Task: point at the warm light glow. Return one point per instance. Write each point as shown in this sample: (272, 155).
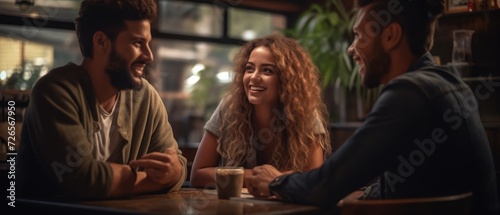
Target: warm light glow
(197, 68)
(192, 80)
(224, 77)
(39, 61)
(3, 75)
(248, 35)
(27, 75)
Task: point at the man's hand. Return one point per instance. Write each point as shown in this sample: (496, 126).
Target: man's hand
(162, 168)
(258, 182)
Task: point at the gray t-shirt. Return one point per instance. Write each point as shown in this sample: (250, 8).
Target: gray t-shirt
(214, 124)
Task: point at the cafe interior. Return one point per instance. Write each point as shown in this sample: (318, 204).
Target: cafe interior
(193, 44)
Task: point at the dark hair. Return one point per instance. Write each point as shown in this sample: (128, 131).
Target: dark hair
(109, 16)
(417, 19)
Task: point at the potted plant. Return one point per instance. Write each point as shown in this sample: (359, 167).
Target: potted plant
(326, 32)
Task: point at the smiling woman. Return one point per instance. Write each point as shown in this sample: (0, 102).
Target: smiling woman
(272, 113)
(260, 80)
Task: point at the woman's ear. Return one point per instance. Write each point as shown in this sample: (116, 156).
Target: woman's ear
(392, 36)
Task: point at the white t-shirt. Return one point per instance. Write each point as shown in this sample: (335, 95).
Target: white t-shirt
(106, 136)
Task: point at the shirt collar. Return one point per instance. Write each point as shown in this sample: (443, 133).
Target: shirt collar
(424, 61)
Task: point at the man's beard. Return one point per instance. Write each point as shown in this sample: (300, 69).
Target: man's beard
(377, 67)
(120, 76)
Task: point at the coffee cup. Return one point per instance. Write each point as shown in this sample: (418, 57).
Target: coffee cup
(229, 181)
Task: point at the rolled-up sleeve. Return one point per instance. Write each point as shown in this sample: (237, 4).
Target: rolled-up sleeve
(163, 137)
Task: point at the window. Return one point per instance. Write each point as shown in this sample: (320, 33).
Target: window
(59, 10)
(250, 24)
(191, 78)
(190, 18)
(193, 43)
(28, 54)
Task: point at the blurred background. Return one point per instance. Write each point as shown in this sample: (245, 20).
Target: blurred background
(194, 42)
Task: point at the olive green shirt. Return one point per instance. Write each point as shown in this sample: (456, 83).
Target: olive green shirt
(55, 155)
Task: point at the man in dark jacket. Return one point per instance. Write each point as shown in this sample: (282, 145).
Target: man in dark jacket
(424, 136)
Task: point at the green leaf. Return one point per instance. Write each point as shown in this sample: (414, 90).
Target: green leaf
(339, 5)
(347, 61)
(315, 23)
(333, 18)
(302, 22)
(316, 8)
(326, 32)
(343, 74)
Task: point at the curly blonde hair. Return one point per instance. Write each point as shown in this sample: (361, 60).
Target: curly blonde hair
(294, 130)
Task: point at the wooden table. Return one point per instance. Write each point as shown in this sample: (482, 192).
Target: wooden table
(184, 201)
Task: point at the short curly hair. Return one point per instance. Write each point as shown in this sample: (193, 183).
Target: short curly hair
(417, 18)
(109, 16)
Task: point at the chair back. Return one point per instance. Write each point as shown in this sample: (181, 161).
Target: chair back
(456, 204)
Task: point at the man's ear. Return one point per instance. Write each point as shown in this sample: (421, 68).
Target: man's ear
(392, 36)
(101, 42)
